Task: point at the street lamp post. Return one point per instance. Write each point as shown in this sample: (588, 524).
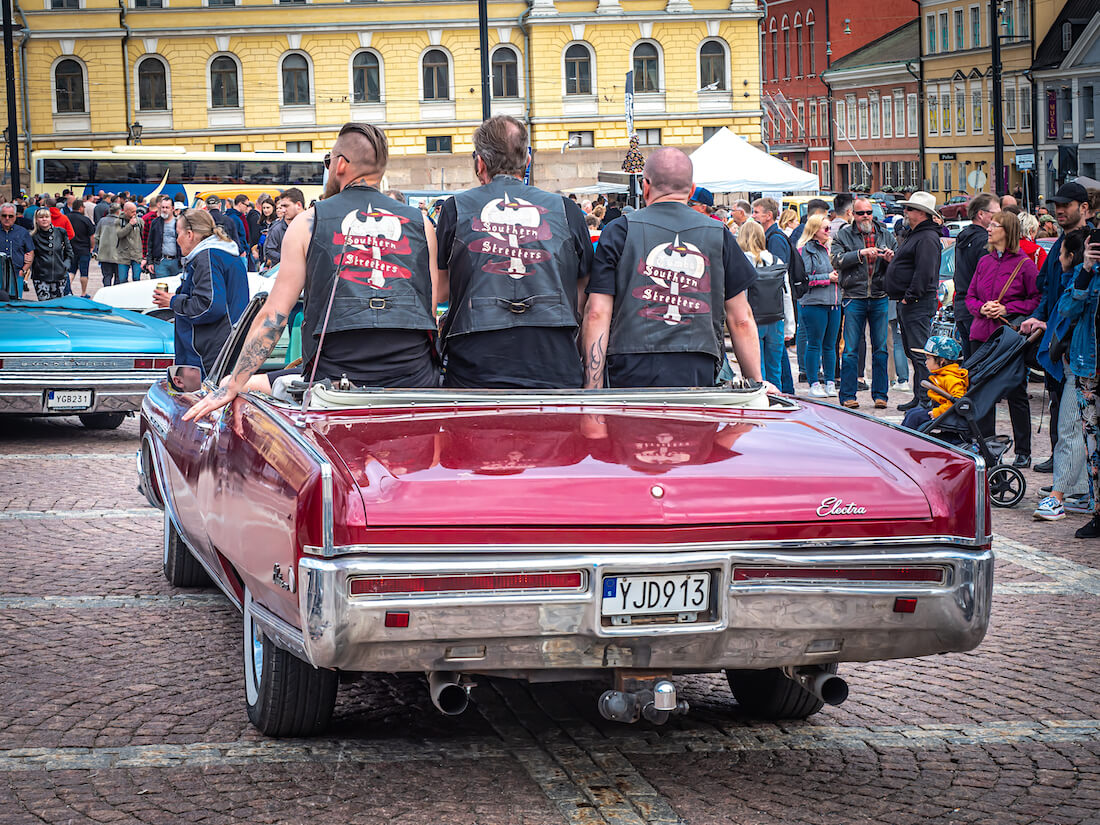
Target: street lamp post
(998, 114)
(12, 131)
(483, 33)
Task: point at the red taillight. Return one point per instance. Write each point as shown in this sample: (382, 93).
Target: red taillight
(163, 363)
(143, 363)
(384, 585)
(1, 363)
(933, 575)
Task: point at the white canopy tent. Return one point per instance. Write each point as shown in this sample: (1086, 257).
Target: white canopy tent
(729, 163)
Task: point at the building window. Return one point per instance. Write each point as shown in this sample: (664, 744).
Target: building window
(813, 118)
(221, 2)
(934, 177)
(912, 114)
(826, 176)
(68, 80)
(295, 72)
(800, 119)
(304, 146)
(648, 137)
(59, 5)
(887, 172)
(875, 115)
(841, 119)
(152, 84)
(1008, 17)
(945, 112)
(887, 117)
(148, 4)
(578, 70)
(944, 47)
(810, 44)
(224, 88)
(437, 144)
(930, 27)
(709, 132)
(815, 169)
(976, 111)
(505, 73)
(584, 140)
(975, 27)
(1025, 19)
(366, 78)
(786, 49)
(933, 115)
(798, 43)
(437, 72)
(899, 113)
(647, 75)
(851, 129)
(1010, 109)
(960, 111)
(712, 66)
(1025, 106)
(775, 51)
(226, 147)
(863, 118)
(960, 33)
(948, 177)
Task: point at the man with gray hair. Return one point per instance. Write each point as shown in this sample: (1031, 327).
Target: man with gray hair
(664, 279)
(15, 241)
(517, 260)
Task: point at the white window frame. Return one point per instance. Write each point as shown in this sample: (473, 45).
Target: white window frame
(826, 175)
(699, 63)
(874, 114)
(851, 128)
(660, 65)
(381, 78)
(812, 118)
(864, 118)
(1023, 96)
(520, 79)
(887, 117)
(800, 120)
(841, 119)
(167, 84)
(899, 113)
(930, 34)
(975, 43)
(912, 114)
(312, 78)
(53, 85)
(591, 67)
(450, 77)
(240, 83)
(959, 94)
(933, 109)
(977, 124)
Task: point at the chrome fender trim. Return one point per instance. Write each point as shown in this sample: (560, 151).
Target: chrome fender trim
(279, 631)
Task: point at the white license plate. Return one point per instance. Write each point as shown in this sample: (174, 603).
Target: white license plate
(68, 399)
(653, 595)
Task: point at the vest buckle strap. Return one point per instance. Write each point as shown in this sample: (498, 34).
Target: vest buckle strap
(377, 303)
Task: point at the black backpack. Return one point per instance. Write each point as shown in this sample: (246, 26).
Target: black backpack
(766, 293)
(800, 284)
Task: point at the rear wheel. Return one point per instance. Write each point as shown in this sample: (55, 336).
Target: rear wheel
(102, 421)
(769, 694)
(285, 695)
(181, 568)
(1007, 486)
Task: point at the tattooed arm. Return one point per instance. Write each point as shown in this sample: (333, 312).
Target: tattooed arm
(269, 323)
(594, 334)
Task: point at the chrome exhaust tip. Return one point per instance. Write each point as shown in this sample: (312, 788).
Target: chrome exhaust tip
(448, 695)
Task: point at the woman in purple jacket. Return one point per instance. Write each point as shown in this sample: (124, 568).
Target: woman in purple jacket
(1003, 291)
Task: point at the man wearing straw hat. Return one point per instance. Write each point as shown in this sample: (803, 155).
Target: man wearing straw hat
(911, 280)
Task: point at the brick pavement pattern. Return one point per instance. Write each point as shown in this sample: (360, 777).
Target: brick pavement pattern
(123, 700)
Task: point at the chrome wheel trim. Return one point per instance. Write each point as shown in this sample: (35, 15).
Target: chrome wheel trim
(253, 653)
(167, 533)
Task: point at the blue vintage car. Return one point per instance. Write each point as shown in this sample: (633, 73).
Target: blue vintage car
(72, 356)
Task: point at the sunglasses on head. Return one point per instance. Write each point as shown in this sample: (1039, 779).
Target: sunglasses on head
(861, 212)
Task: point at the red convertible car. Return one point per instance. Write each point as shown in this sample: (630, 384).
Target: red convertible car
(561, 535)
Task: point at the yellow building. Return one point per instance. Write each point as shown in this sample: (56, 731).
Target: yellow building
(958, 93)
(286, 74)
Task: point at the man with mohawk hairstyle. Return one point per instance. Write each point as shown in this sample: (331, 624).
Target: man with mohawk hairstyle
(663, 280)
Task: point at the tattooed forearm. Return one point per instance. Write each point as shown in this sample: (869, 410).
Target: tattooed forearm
(594, 364)
(259, 346)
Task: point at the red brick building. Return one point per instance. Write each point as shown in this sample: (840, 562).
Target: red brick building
(800, 40)
(875, 93)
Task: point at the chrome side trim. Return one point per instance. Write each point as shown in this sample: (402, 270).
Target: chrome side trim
(284, 634)
(322, 461)
(802, 545)
(980, 497)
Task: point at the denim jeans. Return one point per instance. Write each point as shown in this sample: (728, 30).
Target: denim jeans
(787, 384)
(800, 346)
(822, 325)
(772, 349)
(166, 268)
(915, 319)
(859, 313)
(110, 272)
(128, 271)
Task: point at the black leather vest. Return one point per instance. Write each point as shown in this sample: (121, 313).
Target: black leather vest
(378, 247)
(514, 245)
(670, 283)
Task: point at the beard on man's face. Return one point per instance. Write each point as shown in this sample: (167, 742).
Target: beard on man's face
(865, 226)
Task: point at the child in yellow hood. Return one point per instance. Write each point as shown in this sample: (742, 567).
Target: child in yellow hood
(941, 356)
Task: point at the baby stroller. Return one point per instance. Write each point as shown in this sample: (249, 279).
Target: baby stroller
(994, 369)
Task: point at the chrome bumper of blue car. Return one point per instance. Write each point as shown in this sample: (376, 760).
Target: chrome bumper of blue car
(28, 394)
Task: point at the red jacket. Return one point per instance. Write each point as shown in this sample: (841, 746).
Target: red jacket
(57, 219)
(1033, 251)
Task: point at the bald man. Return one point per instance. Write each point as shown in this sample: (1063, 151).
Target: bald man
(374, 260)
(663, 280)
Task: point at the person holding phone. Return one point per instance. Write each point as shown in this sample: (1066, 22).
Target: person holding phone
(861, 252)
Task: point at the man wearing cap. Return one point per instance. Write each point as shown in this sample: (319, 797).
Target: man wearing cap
(702, 201)
(1071, 210)
(941, 354)
(663, 282)
(912, 278)
(230, 226)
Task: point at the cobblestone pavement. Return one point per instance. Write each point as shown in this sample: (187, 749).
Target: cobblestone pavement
(123, 700)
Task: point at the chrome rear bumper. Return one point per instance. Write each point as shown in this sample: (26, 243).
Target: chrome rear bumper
(754, 624)
(25, 394)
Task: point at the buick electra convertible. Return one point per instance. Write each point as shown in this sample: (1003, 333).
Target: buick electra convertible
(627, 536)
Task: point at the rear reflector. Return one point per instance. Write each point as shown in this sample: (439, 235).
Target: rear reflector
(162, 363)
(143, 363)
(905, 605)
(460, 583)
(931, 575)
(397, 618)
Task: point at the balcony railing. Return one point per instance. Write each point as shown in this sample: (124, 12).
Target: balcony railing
(1090, 127)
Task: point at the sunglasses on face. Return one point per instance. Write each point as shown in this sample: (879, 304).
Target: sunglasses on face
(868, 212)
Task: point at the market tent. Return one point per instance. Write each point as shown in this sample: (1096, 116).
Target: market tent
(729, 163)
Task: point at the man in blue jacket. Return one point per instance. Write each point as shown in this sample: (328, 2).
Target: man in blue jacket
(212, 295)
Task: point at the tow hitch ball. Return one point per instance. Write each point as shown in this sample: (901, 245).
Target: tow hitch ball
(653, 699)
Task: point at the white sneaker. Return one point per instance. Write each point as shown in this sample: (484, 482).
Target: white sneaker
(830, 389)
(818, 391)
(902, 386)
